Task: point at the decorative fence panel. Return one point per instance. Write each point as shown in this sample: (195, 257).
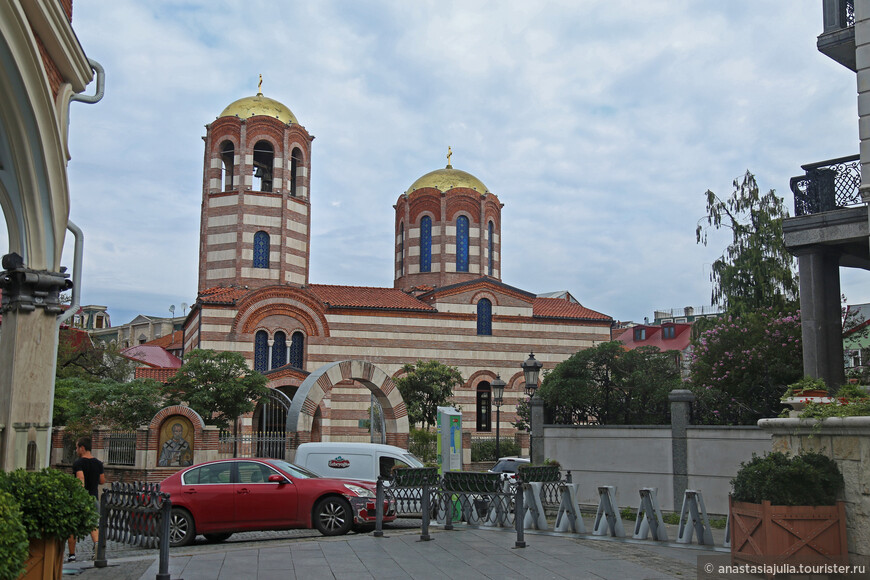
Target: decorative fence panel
(121, 448)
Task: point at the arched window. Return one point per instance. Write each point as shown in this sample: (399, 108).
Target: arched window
(261, 351)
(297, 350)
(295, 162)
(264, 161)
(279, 350)
(462, 244)
(484, 408)
(426, 244)
(402, 249)
(261, 250)
(484, 317)
(491, 232)
(228, 161)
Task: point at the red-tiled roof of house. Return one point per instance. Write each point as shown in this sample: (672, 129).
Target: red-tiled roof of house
(653, 336)
(562, 308)
(222, 295)
(153, 356)
(162, 375)
(171, 341)
(366, 297)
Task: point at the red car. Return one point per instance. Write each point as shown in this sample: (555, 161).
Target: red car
(220, 497)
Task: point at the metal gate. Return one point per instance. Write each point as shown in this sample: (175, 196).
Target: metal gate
(269, 424)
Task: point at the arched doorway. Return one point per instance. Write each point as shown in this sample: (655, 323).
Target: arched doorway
(301, 422)
(269, 425)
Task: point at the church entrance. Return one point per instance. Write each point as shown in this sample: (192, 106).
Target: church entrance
(269, 425)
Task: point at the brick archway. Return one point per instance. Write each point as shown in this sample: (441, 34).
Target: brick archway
(301, 416)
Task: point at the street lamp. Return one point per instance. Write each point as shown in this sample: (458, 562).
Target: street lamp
(497, 399)
(531, 369)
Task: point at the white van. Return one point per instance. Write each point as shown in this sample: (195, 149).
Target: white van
(365, 461)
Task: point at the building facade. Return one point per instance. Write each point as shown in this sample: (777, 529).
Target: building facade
(447, 301)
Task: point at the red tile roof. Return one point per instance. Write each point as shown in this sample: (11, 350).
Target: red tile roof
(562, 308)
(222, 295)
(170, 341)
(365, 297)
(162, 375)
(681, 340)
(153, 356)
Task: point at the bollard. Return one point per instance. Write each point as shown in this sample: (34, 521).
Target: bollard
(379, 508)
(424, 506)
(448, 507)
(165, 515)
(100, 557)
(519, 512)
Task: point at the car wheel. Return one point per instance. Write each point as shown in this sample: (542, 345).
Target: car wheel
(332, 516)
(216, 538)
(181, 528)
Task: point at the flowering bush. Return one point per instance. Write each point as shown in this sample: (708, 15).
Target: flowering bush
(740, 367)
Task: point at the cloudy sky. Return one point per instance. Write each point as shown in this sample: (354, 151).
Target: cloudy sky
(599, 124)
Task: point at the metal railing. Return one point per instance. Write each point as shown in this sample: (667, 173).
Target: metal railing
(137, 514)
(827, 185)
(272, 444)
(121, 448)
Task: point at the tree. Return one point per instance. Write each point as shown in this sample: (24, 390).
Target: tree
(609, 385)
(81, 404)
(756, 270)
(79, 356)
(425, 386)
(741, 367)
(217, 385)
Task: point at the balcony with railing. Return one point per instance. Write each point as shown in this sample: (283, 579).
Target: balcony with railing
(837, 41)
(827, 185)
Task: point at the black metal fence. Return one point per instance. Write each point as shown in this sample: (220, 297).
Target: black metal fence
(137, 514)
(827, 185)
(270, 444)
(121, 448)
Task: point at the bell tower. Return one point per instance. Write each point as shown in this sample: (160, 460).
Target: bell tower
(256, 218)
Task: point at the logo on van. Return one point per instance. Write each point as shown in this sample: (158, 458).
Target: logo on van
(339, 462)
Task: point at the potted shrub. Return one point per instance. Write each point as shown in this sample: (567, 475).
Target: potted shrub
(54, 506)
(807, 387)
(13, 539)
(786, 507)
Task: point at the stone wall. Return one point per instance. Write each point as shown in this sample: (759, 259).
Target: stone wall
(847, 441)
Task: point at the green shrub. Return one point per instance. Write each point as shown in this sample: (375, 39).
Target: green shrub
(807, 479)
(52, 503)
(13, 539)
(423, 444)
(484, 449)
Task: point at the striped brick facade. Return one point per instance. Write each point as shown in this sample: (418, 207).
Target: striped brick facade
(425, 315)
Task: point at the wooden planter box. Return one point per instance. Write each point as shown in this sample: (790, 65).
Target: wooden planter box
(46, 560)
(766, 533)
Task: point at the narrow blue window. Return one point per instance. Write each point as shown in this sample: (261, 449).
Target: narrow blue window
(261, 250)
(261, 351)
(402, 249)
(484, 317)
(462, 244)
(297, 350)
(491, 248)
(279, 350)
(426, 244)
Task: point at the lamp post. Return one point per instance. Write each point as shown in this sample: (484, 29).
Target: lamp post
(531, 368)
(497, 399)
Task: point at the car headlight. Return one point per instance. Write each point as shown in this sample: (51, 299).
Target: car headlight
(359, 491)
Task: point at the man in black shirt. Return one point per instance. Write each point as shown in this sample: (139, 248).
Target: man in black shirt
(89, 470)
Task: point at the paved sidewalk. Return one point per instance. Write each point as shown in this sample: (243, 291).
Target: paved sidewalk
(461, 553)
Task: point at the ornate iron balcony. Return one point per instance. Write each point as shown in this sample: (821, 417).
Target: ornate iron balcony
(837, 40)
(827, 185)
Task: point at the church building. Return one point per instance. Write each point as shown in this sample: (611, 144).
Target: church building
(447, 301)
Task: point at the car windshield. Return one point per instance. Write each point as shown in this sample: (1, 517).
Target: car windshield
(505, 467)
(412, 460)
(293, 469)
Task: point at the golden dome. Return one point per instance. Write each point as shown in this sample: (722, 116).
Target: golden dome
(446, 179)
(259, 105)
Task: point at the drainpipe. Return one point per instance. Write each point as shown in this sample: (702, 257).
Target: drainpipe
(101, 85)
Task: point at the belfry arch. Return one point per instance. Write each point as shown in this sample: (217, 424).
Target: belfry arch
(300, 420)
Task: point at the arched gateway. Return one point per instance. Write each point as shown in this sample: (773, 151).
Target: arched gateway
(300, 419)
